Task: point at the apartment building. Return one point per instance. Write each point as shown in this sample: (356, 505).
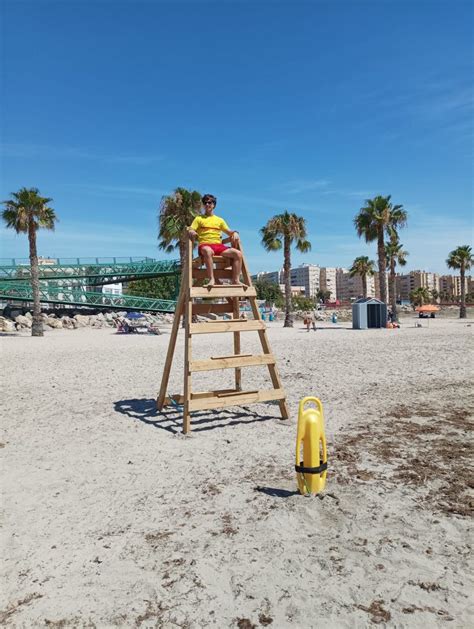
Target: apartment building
(350, 288)
(328, 281)
(450, 285)
(307, 275)
(274, 277)
(405, 283)
(295, 291)
(112, 289)
(339, 285)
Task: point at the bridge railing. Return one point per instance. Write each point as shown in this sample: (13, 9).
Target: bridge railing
(76, 261)
(75, 296)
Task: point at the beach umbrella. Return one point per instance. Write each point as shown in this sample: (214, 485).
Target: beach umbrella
(134, 315)
(428, 308)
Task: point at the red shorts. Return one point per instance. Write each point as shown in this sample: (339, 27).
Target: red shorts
(217, 248)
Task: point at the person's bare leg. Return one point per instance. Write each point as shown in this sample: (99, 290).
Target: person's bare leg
(236, 256)
(206, 253)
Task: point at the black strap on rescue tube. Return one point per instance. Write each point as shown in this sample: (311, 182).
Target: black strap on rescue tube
(311, 470)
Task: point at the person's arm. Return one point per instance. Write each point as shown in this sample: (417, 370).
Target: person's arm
(234, 235)
(192, 230)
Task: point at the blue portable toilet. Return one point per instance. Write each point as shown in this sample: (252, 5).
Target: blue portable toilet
(369, 312)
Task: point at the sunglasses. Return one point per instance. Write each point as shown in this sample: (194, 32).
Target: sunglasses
(209, 203)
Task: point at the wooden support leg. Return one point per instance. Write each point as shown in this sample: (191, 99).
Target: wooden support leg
(238, 371)
(266, 347)
(188, 316)
(169, 355)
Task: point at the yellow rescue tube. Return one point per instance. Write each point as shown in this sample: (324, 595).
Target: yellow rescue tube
(311, 468)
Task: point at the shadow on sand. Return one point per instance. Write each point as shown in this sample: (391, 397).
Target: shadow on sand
(170, 419)
(277, 493)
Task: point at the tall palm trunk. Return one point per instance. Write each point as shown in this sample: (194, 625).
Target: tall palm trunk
(37, 326)
(382, 265)
(392, 290)
(462, 309)
(364, 284)
(286, 268)
(183, 247)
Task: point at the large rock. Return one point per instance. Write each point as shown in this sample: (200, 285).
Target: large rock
(6, 325)
(54, 322)
(23, 321)
(81, 321)
(68, 323)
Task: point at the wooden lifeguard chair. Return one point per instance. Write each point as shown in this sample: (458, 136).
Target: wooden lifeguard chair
(193, 276)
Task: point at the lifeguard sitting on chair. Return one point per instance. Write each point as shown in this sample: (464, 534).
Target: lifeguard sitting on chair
(207, 229)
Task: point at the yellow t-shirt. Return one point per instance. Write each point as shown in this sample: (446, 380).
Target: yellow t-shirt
(209, 229)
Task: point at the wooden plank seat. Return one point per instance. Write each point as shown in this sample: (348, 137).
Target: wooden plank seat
(230, 362)
(223, 290)
(224, 325)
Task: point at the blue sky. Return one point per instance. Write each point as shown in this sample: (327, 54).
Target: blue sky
(306, 106)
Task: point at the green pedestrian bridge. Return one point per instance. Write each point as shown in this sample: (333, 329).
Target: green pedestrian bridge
(79, 281)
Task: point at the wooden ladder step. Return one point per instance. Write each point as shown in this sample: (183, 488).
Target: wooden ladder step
(229, 362)
(222, 290)
(223, 325)
(234, 398)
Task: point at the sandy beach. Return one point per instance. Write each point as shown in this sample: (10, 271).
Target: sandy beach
(113, 518)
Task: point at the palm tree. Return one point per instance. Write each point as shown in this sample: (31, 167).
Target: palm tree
(420, 296)
(462, 259)
(444, 296)
(435, 294)
(283, 230)
(395, 255)
(364, 267)
(176, 214)
(323, 295)
(376, 218)
(26, 212)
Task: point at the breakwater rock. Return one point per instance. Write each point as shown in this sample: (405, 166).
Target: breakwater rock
(53, 321)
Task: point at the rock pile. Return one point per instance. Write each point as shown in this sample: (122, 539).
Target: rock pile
(100, 320)
(343, 314)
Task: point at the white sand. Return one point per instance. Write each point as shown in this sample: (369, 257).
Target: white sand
(114, 519)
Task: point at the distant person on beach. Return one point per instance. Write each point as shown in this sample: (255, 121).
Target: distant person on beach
(310, 322)
(207, 229)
